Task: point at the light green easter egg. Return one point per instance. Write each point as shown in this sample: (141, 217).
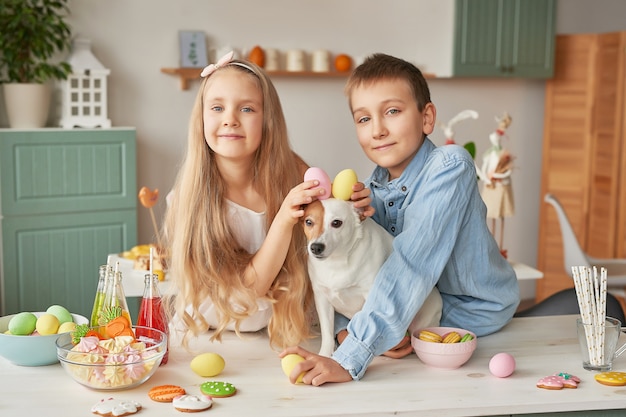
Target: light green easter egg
(22, 324)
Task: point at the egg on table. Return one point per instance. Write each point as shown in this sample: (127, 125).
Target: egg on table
(342, 186)
(502, 365)
(319, 174)
(208, 364)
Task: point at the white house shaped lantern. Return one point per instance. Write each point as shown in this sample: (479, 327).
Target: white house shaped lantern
(85, 90)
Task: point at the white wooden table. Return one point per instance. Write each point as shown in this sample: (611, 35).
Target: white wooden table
(133, 279)
(525, 272)
(541, 346)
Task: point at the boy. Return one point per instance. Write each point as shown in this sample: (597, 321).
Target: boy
(428, 198)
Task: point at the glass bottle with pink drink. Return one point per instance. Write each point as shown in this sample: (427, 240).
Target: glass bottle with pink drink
(151, 311)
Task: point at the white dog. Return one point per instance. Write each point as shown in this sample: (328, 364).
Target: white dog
(345, 253)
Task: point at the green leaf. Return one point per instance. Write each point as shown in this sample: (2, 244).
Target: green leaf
(34, 35)
(471, 148)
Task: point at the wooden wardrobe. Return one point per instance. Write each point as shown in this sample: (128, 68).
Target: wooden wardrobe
(584, 153)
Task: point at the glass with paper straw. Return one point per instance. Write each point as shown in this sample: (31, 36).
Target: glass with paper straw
(598, 334)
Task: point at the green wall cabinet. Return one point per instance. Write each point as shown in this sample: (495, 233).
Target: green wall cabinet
(504, 38)
(68, 198)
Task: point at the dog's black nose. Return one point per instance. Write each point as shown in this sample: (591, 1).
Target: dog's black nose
(317, 248)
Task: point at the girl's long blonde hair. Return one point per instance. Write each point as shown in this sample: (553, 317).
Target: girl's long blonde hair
(204, 259)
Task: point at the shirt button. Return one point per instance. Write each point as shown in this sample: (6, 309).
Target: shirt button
(404, 188)
(393, 229)
(390, 204)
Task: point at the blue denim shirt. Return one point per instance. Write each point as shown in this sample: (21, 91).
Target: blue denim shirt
(438, 218)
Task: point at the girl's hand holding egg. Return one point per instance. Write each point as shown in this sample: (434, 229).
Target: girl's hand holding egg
(319, 174)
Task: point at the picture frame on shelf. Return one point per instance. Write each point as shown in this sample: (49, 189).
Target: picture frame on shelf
(193, 51)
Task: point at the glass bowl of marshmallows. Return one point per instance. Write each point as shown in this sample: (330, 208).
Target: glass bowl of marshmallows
(116, 363)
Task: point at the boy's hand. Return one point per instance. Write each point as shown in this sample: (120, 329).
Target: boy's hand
(361, 199)
(401, 350)
(318, 369)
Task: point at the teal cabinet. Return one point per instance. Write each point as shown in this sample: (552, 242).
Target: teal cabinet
(67, 199)
(504, 38)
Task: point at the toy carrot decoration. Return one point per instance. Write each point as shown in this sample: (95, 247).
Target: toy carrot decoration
(115, 323)
(83, 330)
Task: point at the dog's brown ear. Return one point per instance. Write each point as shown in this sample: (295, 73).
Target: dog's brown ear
(361, 214)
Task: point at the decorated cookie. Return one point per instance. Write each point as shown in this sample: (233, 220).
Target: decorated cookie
(218, 389)
(614, 379)
(558, 381)
(192, 403)
(116, 408)
(165, 393)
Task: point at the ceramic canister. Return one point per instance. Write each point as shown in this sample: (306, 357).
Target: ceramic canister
(295, 60)
(272, 59)
(320, 60)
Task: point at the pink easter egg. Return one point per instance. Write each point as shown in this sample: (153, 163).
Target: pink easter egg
(319, 174)
(502, 365)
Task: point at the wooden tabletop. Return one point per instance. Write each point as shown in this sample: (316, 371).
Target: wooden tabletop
(541, 346)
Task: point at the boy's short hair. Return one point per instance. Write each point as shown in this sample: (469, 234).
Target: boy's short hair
(381, 66)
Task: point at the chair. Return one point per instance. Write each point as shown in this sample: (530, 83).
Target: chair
(574, 255)
(566, 302)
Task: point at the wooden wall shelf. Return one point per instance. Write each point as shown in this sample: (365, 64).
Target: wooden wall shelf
(190, 74)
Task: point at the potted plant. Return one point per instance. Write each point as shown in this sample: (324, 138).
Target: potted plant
(34, 32)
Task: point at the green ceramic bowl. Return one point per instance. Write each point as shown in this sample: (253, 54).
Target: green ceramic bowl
(30, 350)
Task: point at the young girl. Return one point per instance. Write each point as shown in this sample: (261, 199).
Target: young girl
(236, 260)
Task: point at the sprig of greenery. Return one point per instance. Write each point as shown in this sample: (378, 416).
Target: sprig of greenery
(109, 313)
(80, 331)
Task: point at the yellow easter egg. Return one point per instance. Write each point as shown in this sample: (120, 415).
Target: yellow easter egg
(68, 326)
(289, 362)
(47, 324)
(342, 186)
(208, 364)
